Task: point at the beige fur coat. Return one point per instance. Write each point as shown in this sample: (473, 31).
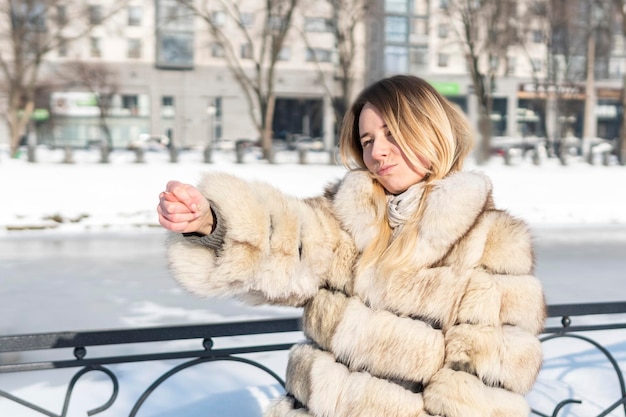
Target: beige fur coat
(453, 336)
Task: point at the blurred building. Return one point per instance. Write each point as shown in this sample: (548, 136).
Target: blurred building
(169, 77)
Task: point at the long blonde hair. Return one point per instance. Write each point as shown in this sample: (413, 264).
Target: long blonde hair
(423, 124)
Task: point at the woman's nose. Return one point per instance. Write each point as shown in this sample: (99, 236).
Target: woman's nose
(380, 148)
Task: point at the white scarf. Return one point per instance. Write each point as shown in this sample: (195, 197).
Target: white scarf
(400, 207)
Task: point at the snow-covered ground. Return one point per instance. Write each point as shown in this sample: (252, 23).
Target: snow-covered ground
(89, 197)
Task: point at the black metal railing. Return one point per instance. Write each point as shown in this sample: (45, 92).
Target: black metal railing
(568, 329)
(80, 350)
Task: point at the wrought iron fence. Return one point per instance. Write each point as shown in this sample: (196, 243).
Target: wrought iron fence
(76, 351)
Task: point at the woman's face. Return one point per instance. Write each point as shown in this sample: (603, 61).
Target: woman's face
(382, 155)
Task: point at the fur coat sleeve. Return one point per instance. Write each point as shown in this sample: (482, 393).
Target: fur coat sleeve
(273, 248)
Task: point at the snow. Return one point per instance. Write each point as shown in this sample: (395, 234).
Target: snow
(88, 197)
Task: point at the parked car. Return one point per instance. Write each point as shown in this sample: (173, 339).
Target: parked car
(149, 142)
(309, 143)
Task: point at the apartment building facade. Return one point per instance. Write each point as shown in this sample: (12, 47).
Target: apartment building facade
(533, 94)
(169, 76)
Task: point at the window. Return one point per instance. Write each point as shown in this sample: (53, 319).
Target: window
(246, 51)
(275, 22)
(246, 19)
(95, 15)
(217, 102)
(442, 30)
(172, 15)
(419, 56)
(396, 59)
(134, 15)
(396, 6)
(537, 36)
(134, 48)
(175, 35)
(396, 29)
(167, 106)
(175, 50)
(442, 60)
(217, 50)
(319, 55)
(95, 47)
(167, 101)
(130, 102)
(537, 64)
(28, 16)
(317, 24)
(510, 65)
(284, 54)
(218, 18)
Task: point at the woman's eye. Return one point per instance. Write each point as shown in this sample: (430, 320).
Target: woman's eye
(366, 142)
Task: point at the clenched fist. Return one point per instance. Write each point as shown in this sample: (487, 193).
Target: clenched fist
(182, 208)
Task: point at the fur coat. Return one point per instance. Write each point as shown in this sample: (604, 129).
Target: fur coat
(455, 335)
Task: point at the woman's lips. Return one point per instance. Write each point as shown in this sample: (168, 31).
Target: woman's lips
(384, 170)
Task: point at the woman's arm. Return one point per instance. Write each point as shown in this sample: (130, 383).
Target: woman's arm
(261, 245)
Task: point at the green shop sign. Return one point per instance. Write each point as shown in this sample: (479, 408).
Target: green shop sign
(446, 88)
(37, 115)
(40, 115)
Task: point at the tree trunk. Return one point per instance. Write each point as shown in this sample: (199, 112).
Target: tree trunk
(17, 126)
(621, 142)
(266, 140)
(484, 126)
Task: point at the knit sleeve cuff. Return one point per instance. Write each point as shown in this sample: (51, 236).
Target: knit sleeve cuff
(215, 240)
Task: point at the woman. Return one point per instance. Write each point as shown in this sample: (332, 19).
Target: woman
(418, 294)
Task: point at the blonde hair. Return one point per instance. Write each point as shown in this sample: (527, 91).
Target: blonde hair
(423, 124)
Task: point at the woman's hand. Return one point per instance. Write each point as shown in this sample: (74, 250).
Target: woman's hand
(182, 208)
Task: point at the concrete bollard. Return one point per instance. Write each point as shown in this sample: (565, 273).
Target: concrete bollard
(173, 154)
(239, 151)
(105, 152)
(139, 155)
(302, 153)
(68, 155)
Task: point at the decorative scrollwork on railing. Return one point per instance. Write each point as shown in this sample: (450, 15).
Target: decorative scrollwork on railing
(68, 394)
(195, 362)
(81, 341)
(564, 333)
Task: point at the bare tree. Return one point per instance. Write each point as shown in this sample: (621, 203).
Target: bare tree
(345, 18)
(485, 29)
(265, 43)
(29, 31)
(559, 87)
(578, 44)
(620, 9)
(100, 79)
